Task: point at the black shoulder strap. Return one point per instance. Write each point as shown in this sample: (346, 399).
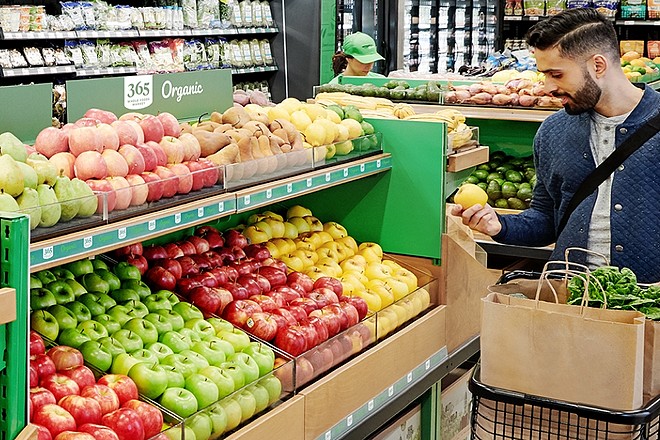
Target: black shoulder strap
(605, 169)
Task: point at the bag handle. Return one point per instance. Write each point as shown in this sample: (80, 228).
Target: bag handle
(585, 275)
(586, 251)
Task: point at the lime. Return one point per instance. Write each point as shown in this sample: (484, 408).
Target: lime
(480, 174)
(494, 190)
(513, 176)
(367, 127)
(482, 185)
(509, 190)
(524, 194)
(484, 166)
(515, 203)
(501, 203)
(335, 108)
(493, 176)
(472, 179)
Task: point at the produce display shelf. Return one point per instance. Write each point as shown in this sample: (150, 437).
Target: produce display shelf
(241, 70)
(133, 33)
(423, 378)
(236, 31)
(47, 35)
(34, 71)
(159, 33)
(637, 22)
(503, 113)
(129, 33)
(524, 17)
(59, 250)
(98, 71)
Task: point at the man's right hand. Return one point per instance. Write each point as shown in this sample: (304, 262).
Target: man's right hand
(480, 218)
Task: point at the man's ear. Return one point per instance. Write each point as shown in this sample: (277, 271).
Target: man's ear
(600, 64)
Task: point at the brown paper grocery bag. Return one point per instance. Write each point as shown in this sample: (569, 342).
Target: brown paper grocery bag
(567, 353)
(529, 288)
(651, 360)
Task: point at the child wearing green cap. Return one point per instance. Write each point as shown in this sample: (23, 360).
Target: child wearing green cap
(357, 57)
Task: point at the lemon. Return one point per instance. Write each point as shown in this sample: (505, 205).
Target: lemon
(469, 195)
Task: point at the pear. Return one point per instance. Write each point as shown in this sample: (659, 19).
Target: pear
(8, 203)
(11, 178)
(50, 207)
(46, 170)
(87, 200)
(11, 145)
(66, 197)
(37, 156)
(28, 203)
(30, 178)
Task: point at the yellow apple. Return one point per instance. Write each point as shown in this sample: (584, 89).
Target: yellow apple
(424, 296)
(276, 227)
(350, 286)
(359, 276)
(410, 306)
(325, 252)
(351, 265)
(305, 243)
(398, 287)
(256, 235)
(406, 276)
(373, 300)
(293, 262)
(264, 226)
(391, 264)
(329, 266)
(297, 211)
(290, 230)
(315, 224)
(325, 236)
(353, 279)
(290, 243)
(377, 270)
(314, 273)
(301, 225)
(350, 242)
(357, 260)
(372, 252)
(315, 239)
(402, 314)
(274, 250)
(344, 250)
(385, 293)
(283, 246)
(304, 256)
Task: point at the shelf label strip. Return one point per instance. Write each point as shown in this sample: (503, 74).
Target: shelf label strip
(379, 401)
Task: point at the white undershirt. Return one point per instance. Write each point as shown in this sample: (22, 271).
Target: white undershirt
(602, 142)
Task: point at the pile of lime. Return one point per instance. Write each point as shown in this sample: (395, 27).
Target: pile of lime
(508, 180)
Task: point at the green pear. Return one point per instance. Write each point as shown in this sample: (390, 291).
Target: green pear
(50, 206)
(87, 200)
(30, 179)
(65, 195)
(8, 203)
(11, 145)
(37, 156)
(28, 203)
(11, 178)
(46, 171)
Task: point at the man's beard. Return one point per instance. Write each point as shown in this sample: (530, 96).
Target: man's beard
(585, 98)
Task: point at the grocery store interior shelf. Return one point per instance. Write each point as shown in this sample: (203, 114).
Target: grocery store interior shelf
(134, 33)
(500, 113)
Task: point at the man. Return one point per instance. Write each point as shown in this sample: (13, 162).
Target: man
(577, 51)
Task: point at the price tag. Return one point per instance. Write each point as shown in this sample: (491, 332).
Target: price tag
(246, 200)
(629, 22)
(88, 242)
(121, 233)
(138, 91)
(309, 182)
(390, 391)
(378, 163)
(40, 71)
(327, 177)
(151, 225)
(345, 172)
(289, 188)
(200, 212)
(349, 420)
(221, 206)
(269, 194)
(370, 405)
(362, 168)
(427, 364)
(47, 253)
(177, 218)
(328, 435)
(409, 377)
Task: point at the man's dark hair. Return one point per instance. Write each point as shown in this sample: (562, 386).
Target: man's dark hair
(576, 33)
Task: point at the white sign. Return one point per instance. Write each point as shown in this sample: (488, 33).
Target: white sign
(138, 91)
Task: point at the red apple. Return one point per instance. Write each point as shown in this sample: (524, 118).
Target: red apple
(99, 432)
(122, 385)
(252, 286)
(161, 157)
(215, 259)
(311, 336)
(331, 320)
(54, 418)
(105, 193)
(170, 124)
(274, 276)
(300, 279)
(152, 417)
(172, 265)
(289, 293)
(202, 262)
(173, 148)
(83, 409)
(351, 313)
(127, 132)
(200, 243)
(64, 162)
(154, 252)
(197, 172)
(105, 116)
(232, 274)
(185, 177)
(235, 238)
(278, 297)
(169, 180)
(129, 250)
(135, 163)
(207, 279)
(109, 137)
(140, 262)
(211, 173)
(331, 283)
(257, 251)
(90, 165)
(238, 311)
(262, 325)
(320, 327)
(185, 286)
(152, 128)
(359, 303)
(188, 265)
(36, 343)
(173, 250)
(33, 376)
(104, 395)
(60, 385)
(298, 312)
(287, 315)
(51, 141)
(207, 299)
(87, 138)
(278, 264)
(341, 314)
(237, 291)
(187, 247)
(65, 357)
(153, 184)
(42, 433)
(307, 304)
(81, 374)
(148, 156)
(126, 423)
(40, 396)
(292, 340)
(266, 303)
(160, 278)
(123, 191)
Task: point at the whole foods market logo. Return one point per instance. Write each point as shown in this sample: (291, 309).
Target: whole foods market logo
(170, 91)
(138, 92)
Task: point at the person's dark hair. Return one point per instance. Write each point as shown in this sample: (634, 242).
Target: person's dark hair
(576, 33)
(339, 62)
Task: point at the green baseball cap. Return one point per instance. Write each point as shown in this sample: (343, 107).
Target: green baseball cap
(361, 47)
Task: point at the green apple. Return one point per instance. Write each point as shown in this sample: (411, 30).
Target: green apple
(41, 298)
(119, 313)
(203, 389)
(211, 351)
(160, 322)
(201, 425)
(35, 282)
(168, 295)
(174, 376)
(72, 337)
(154, 303)
(97, 263)
(236, 337)
(143, 328)
(222, 344)
(261, 396)
(201, 326)
(126, 271)
(233, 411)
(44, 323)
(108, 322)
(176, 432)
(181, 363)
(176, 341)
(122, 363)
(180, 401)
(199, 360)
(190, 334)
(144, 355)
(129, 340)
(248, 404)
(80, 267)
(139, 286)
(78, 289)
(91, 301)
(94, 329)
(159, 349)
(187, 311)
(112, 345)
(136, 308)
(273, 385)
(62, 273)
(123, 295)
(220, 378)
(219, 324)
(151, 379)
(235, 372)
(93, 282)
(173, 317)
(65, 317)
(106, 301)
(62, 291)
(80, 310)
(247, 364)
(113, 281)
(263, 355)
(219, 419)
(45, 276)
(96, 355)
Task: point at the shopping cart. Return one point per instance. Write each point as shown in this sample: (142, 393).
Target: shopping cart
(504, 414)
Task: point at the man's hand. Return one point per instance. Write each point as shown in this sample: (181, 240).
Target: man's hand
(480, 218)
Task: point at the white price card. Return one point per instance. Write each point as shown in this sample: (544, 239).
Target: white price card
(246, 199)
(390, 391)
(151, 225)
(138, 91)
(269, 193)
(362, 168)
(328, 435)
(349, 420)
(345, 172)
(289, 187)
(121, 233)
(88, 242)
(370, 405)
(409, 377)
(309, 182)
(378, 163)
(327, 177)
(221, 206)
(47, 253)
(200, 212)
(427, 364)
(177, 218)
